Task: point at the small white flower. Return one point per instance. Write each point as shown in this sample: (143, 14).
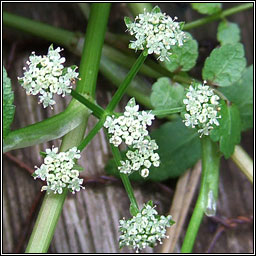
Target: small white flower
(46, 76)
(144, 173)
(58, 171)
(202, 108)
(157, 32)
(144, 229)
(130, 128)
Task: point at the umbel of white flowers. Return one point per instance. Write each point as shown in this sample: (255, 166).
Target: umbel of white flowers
(131, 128)
(202, 107)
(156, 32)
(60, 171)
(146, 228)
(47, 76)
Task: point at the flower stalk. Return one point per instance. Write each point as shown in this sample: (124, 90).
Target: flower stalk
(208, 194)
(52, 205)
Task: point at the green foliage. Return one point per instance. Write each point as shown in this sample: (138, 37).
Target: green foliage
(8, 107)
(156, 9)
(241, 93)
(183, 58)
(228, 133)
(207, 8)
(127, 21)
(179, 149)
(166, 94)
(228, 33)
(225, 65)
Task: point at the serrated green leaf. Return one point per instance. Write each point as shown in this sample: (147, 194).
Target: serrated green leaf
(176, 142)
(166, 94)
(207, 8)
(241, 93)
(183, 58)
(8, 107)
(225, 65)
(228, 133)
(228, 33)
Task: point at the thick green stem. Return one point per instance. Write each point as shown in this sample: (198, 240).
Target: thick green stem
(206, 203)
(122, 88)
(217, 16)
(57, 35)
(52, 205)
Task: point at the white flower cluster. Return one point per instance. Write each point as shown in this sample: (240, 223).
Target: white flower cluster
(156, 32)
(59, 171)
(131, 128)
(47, 76)
(144, 229)
(202, 107)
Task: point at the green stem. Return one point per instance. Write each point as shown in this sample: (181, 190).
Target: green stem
(122, 88)
(217, 16)
(91, 134)
(124, 178)
(52, 205)
(96, 109)
(57, 35)
(127, 61)
(165, 112)
(209, 182)
(116, 74)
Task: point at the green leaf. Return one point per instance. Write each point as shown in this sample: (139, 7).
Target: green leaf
(228, 33)
(225, 65)
(127, 21)
(150, 203)
(207, 8)
(228, 133)
(241, 93)
(156, 9)
(166, 94)
(8, 107)
(43, 154)
(179, 149)
(183, 58)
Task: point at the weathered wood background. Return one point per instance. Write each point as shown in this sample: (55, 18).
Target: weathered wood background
(89, 221)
